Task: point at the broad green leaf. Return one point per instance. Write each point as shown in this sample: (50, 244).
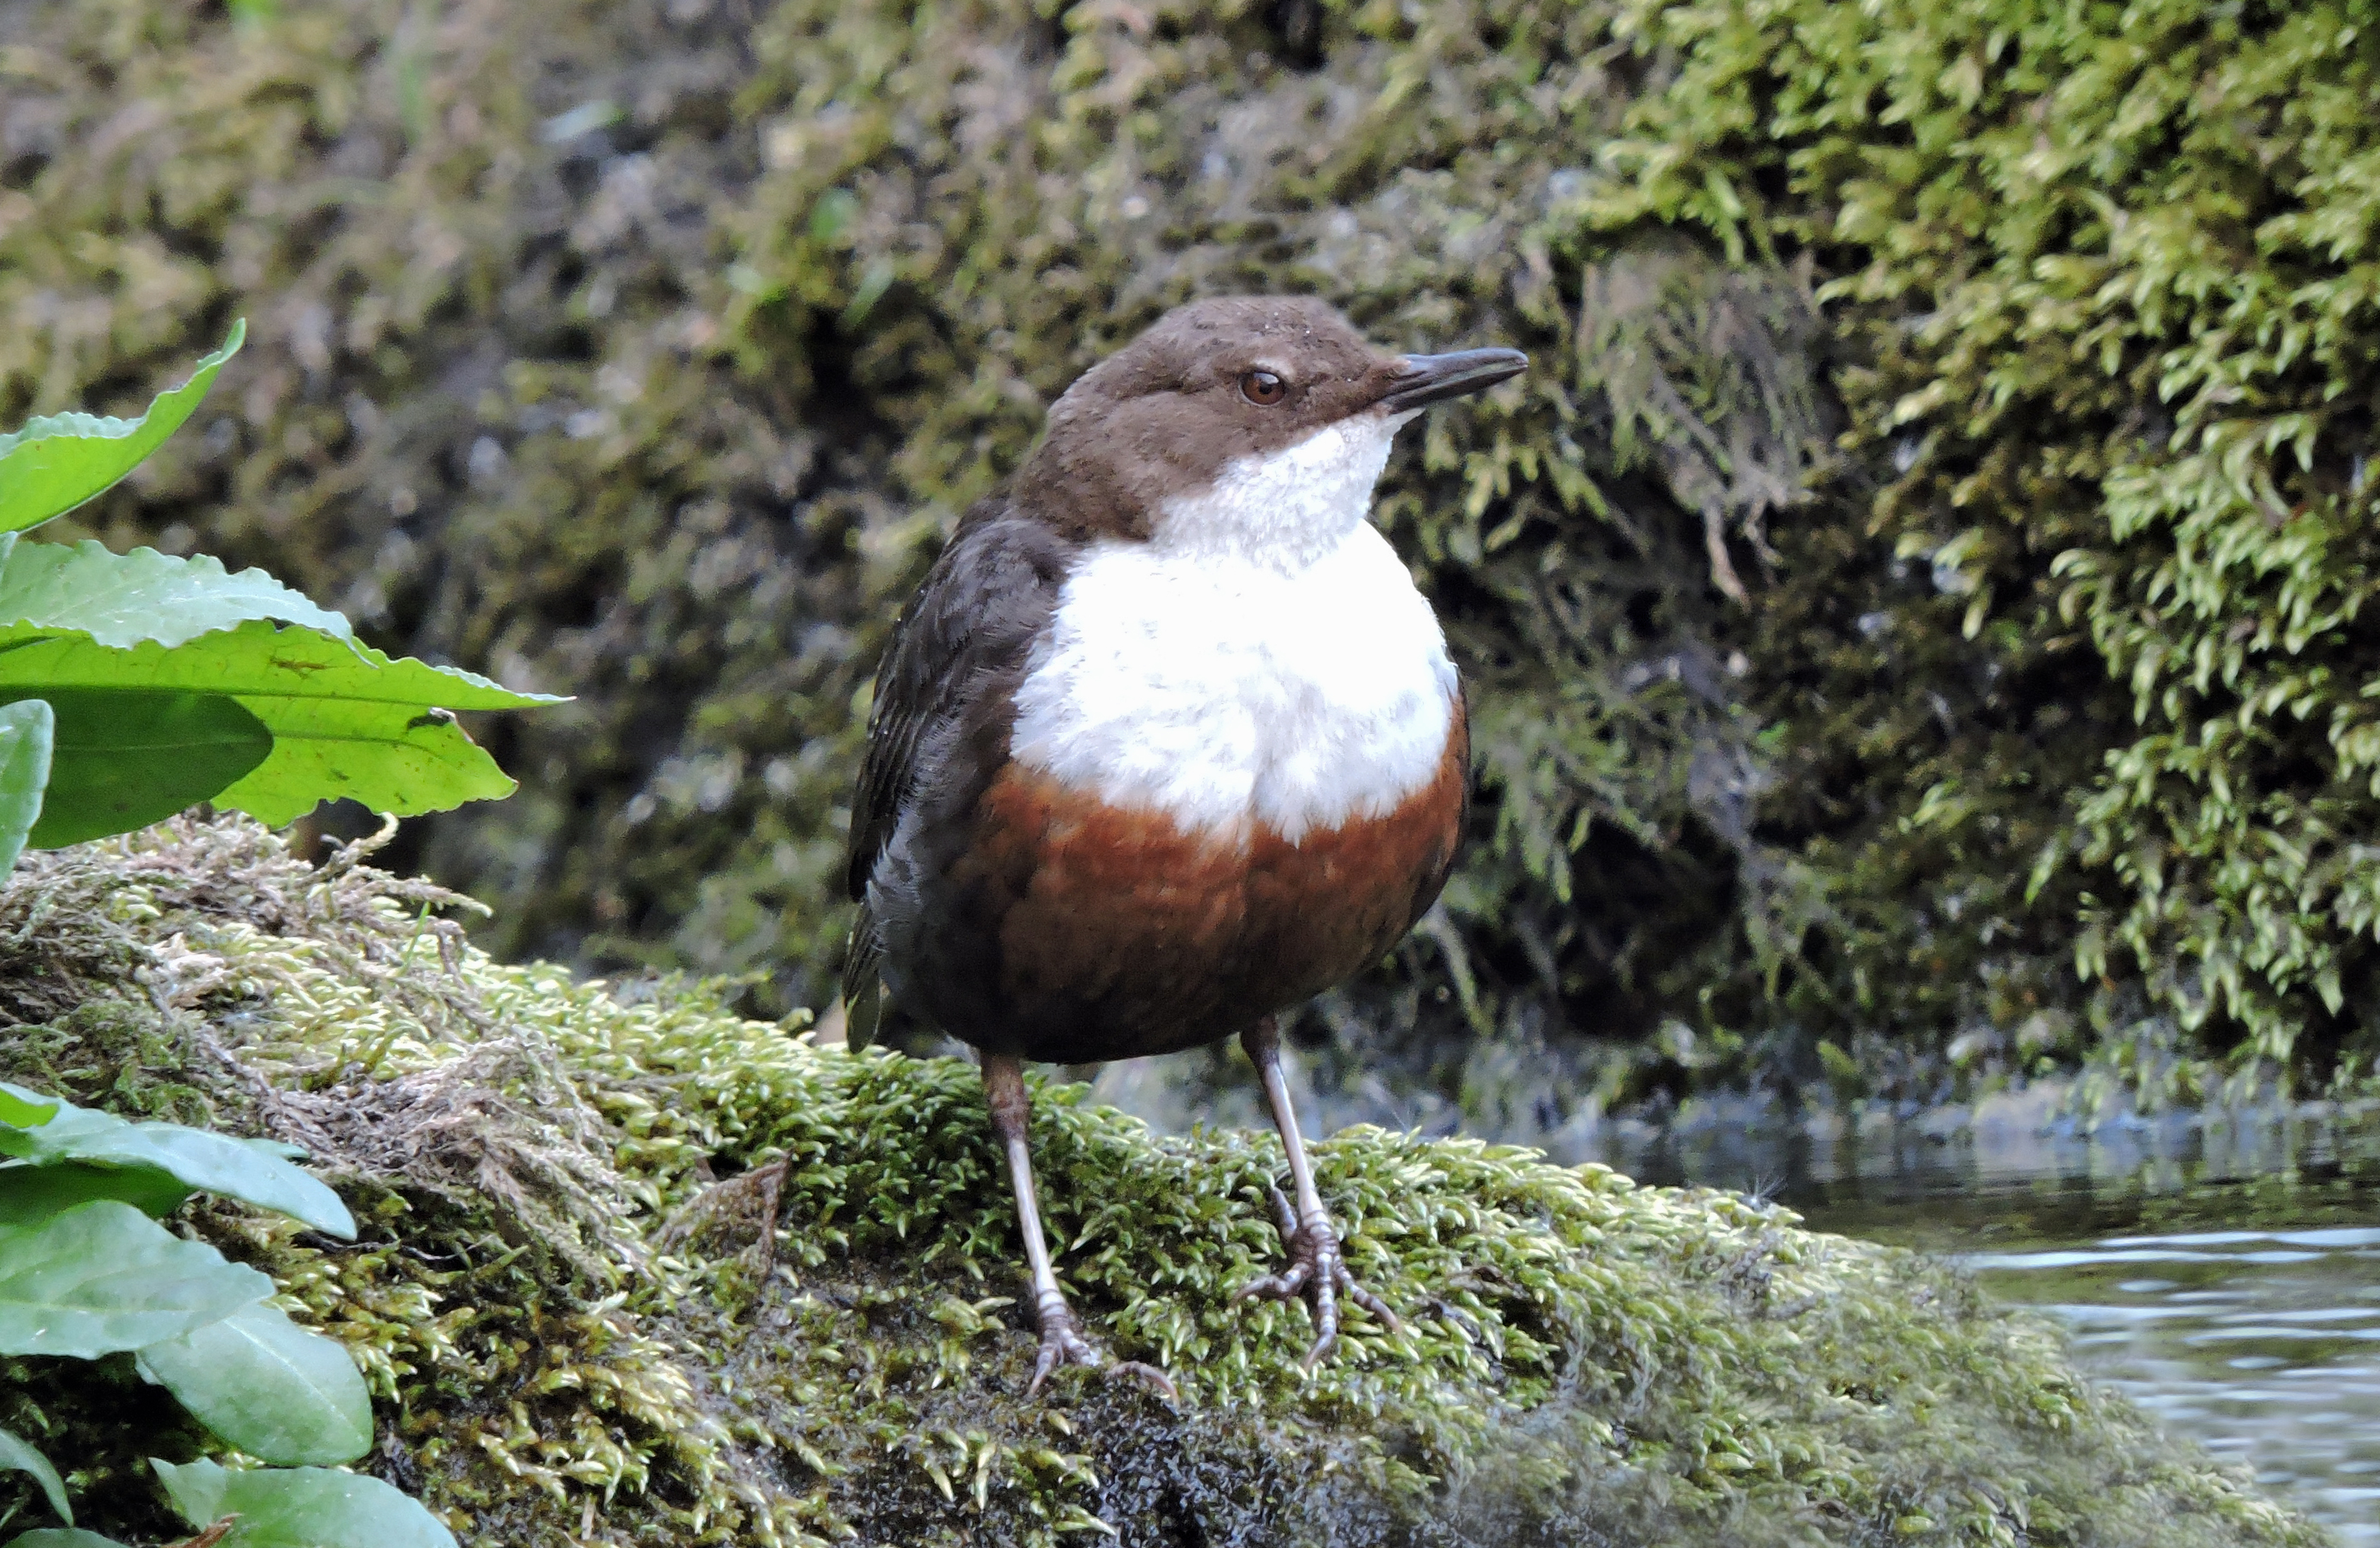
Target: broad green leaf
(17, 1455)
(31, 1194)
(254, 1170)
(300, 1507)
(22, 1109)
(124, 599)
(60, 1537)
(28, 735)
(345, 720)
(122, 761)
(104, 1277)
(54, 464)
(268, 1386)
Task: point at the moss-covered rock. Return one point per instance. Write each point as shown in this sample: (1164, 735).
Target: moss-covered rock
(635, 1269)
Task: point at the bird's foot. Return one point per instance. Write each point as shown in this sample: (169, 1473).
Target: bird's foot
(1062, 1344)
(1317, 1270)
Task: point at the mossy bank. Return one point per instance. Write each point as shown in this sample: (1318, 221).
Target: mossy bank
(583, 1325)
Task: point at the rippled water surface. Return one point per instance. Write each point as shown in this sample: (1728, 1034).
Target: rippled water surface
(2227, 1283)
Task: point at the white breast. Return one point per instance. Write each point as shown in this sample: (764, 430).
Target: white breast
(1226, 686)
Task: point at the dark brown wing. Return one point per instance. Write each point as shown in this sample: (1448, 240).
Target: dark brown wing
(903, 701)
(966, 632)
(895, 720)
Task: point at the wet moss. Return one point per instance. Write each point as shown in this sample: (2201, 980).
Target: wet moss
(633, 1269)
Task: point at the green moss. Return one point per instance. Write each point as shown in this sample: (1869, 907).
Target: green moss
(2106, 275)
(581, 1323)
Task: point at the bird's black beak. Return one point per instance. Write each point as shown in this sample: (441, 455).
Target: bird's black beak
(1428, 378)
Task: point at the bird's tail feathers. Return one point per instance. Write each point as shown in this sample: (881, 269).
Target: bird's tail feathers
(863, 984)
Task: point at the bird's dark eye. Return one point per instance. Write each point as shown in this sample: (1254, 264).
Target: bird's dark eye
(1263, 388)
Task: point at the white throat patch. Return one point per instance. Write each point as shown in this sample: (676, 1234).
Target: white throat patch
(1286, 508)
(1224, 687)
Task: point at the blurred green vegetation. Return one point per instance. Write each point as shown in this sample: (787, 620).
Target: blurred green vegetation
(1926, 560)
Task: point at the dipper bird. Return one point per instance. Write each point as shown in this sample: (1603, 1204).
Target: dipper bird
(1168, 741)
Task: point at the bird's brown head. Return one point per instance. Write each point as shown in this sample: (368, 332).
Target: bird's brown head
(1254, 423)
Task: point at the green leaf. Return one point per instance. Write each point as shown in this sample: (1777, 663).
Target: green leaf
(27, 733)
(31, 1194)
(60, 1537)
(345, 720)
(268, 1386)
(254, 1170)
(21, 1109)
(300, 1507)
(123, 760)
(54, 464)
(125, 599)
(104, 1277)
(17, 1455)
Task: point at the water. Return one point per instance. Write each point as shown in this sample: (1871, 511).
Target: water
(2225, 1278)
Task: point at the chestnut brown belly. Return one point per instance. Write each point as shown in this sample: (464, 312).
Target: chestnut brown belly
(1104, 933)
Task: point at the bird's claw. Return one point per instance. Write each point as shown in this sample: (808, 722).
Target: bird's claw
(1317, 1270)
(1158, 1380)
(1063, 1344)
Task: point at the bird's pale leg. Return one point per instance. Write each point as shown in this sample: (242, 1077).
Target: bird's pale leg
(1061, 1341)
(1004, 1092)
(1316, 1270)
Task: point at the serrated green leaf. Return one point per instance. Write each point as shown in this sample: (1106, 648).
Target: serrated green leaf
(268, 1386)
(250, 1170)
(54, 464)
(125, 599)
(17, 1455)
(31, 1194)
(272, 661)
(300, 1507)
(104, 1277)
(28, 739)
(21, 1109)
(121, 760)
(347, 721)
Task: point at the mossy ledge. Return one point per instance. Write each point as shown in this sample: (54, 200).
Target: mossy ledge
(576, 1332)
